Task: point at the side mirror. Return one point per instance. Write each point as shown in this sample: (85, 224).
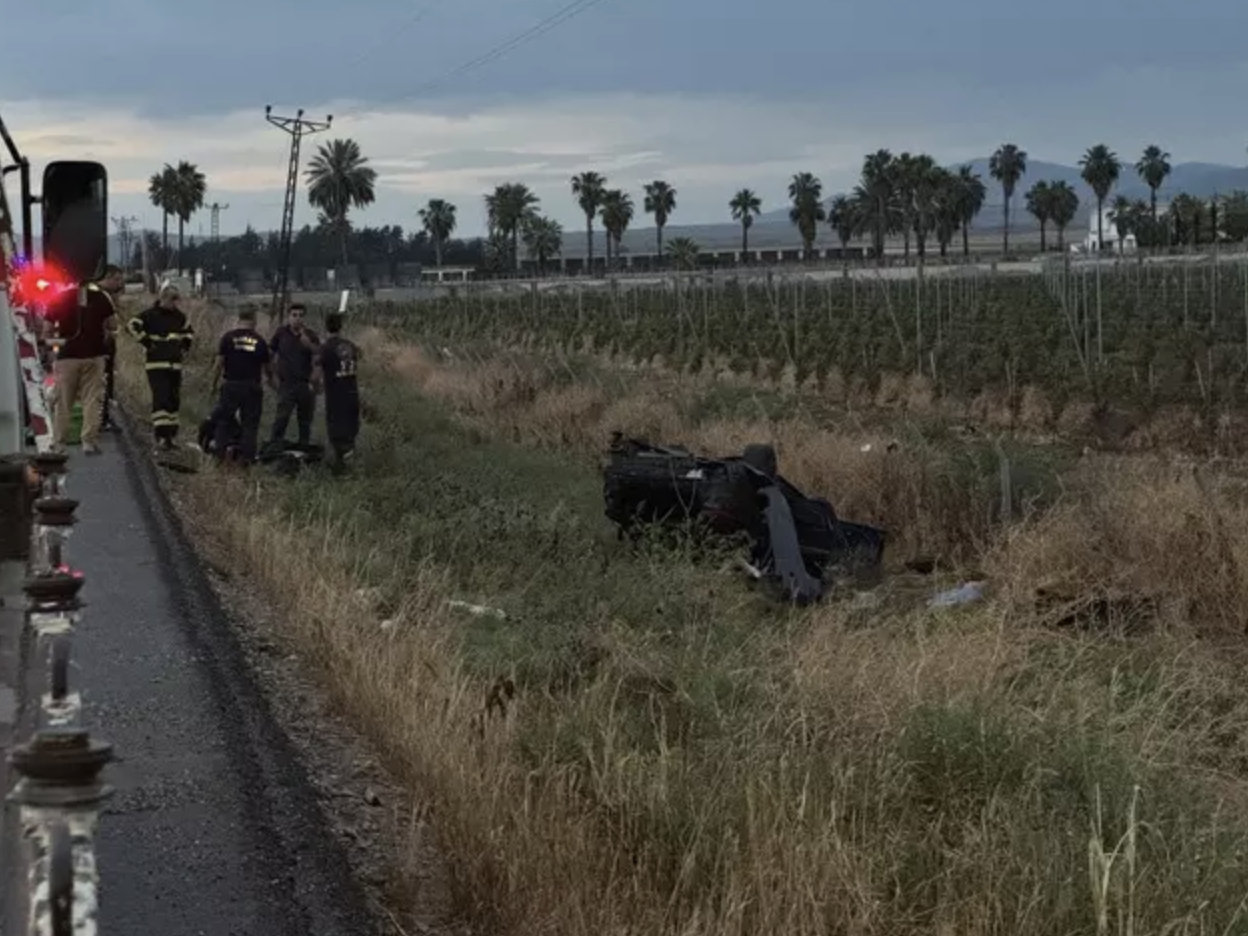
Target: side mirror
(75, 218)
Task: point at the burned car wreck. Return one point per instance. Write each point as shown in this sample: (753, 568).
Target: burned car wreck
(796, 542)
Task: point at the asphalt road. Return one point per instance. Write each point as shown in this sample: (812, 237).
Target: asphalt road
(213, 829)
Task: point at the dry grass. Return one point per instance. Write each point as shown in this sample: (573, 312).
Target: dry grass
(673, 756)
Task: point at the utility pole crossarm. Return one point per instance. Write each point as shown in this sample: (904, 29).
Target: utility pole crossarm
(296, 126)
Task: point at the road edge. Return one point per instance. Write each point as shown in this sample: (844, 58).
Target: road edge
(323, 890)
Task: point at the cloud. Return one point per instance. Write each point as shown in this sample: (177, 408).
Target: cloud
(708, 146)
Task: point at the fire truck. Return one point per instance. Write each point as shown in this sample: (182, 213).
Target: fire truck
(73, 204)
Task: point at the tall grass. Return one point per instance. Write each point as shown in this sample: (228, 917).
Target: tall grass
(641, 745)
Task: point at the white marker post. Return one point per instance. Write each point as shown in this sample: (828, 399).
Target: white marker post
(342, 302)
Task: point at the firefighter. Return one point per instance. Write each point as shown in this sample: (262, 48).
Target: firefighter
(243, 361)
(166, 336)
(336, 364)
(294, 346)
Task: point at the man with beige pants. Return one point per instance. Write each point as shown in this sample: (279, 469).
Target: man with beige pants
(83, 331)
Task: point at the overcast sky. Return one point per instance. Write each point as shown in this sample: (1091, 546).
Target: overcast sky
(711, 95)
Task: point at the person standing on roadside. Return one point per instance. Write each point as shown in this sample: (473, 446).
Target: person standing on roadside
(166, 335)
(243, 361)
(83, 329)
(337, 363)
(294, 346)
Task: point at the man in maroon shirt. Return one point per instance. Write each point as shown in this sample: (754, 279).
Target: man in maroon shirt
(83, 331)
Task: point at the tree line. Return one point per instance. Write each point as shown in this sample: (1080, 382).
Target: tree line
(906, 195)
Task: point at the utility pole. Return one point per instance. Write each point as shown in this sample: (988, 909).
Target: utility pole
(296, 126)
(124, 233)
(216, 210)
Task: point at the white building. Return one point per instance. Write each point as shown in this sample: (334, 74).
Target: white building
(1109, 234)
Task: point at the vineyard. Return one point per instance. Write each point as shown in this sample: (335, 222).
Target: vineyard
(1143, 335)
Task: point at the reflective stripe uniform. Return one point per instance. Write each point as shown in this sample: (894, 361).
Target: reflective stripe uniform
(166, 336)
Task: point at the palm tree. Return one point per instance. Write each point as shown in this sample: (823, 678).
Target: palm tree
(806, 193)
(924, 182)
(971, 193)
(1039, 201)
(1153, 168)
(588, 188)
(339, 179)
(684, 252)
(1007, 165)
(1188, 213)
(509, 207)
(543, 238)
(1101, 168)
(437, 219)
(744, 206)
(617, 215)
(948, 217)
(877, 205)
(660, 201)
(162, 190)
(189, 191)
(1063, 205)
(843, 220)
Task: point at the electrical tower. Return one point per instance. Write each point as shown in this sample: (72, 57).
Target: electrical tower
(124, 235)
(296, 126)
(216, 210)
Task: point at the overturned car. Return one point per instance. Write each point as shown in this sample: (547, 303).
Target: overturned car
(796, 542)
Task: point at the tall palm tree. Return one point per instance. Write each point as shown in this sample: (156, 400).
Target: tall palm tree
(660, 201)
(806, 194)
(510, 206)
(437, 219)
(905, 173)
(1039, 201)
(617, 215)
(1007, 165)
(1153, 168)
(744, 206)
(162, 190)
(588, 189)
(877, 204)
(842, 219)
(189, 191)
(924, 183)
(971, 193)
(543, 238)
(1063, 205)
(684, 252)
(948, 210)
(1101, 168)
(339, 179)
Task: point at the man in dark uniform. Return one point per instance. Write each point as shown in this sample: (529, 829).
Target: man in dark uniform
(337, 362)
(243, 360)
(294, 348)
(166, 335)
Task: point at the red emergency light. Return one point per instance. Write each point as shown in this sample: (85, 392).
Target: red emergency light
(40, 284)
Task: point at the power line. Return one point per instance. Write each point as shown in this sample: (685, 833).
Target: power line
(559, 17)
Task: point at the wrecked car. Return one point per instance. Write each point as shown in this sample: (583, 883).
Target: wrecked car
(796, 542)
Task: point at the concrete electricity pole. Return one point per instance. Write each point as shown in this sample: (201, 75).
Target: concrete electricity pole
(125, 235)
(296, 126)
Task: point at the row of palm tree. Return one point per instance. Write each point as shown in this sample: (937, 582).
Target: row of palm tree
(178, 191)
(903, 194)
(338, 178)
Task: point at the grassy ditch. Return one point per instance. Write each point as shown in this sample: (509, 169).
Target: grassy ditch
(642, 745)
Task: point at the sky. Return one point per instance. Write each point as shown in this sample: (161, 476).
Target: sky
(710, 95)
